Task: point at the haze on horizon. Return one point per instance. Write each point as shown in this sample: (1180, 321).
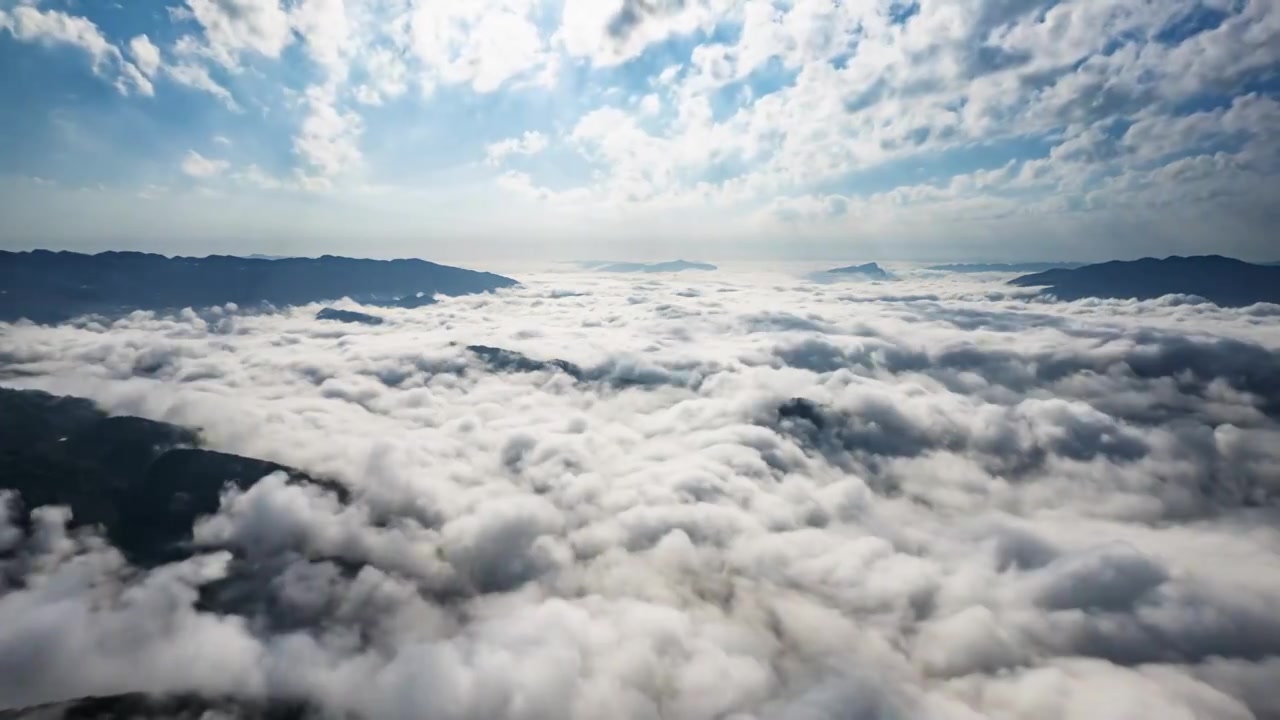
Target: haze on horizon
(638, 129)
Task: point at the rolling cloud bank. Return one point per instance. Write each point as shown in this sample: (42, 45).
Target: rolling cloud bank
(711, 495)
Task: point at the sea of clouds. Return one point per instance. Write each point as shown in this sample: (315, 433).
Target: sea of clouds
(743, 495)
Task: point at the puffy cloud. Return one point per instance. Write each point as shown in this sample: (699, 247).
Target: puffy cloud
(196, 77)
(614, 31)
(81, 606)
(328, 141)
(54, 27)
(199, 166)
(145, 54)
(482, 44)
(233, 27)
(531, 143)
(149, 60)
(387, 76)
(1130, 122)
(737, 495)
(824, 94)
(324, 26)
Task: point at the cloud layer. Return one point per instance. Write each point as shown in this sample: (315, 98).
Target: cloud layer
(739, 497)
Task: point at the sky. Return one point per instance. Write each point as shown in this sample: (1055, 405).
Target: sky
(642, 129)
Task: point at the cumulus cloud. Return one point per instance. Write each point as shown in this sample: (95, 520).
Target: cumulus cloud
(531, 143)
(1129, 124)
(746, 496)
(145, 54)
(328, 141)
(199, 166)
(483, 45)
(197, 77)
(233, 27)
(54, 27)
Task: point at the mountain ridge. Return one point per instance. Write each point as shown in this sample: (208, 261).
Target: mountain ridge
(53, 286)
(657, 267)
(1225, 281)
(1027, 267)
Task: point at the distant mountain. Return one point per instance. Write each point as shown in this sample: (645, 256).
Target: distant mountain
(867, 270)
(46, 286)
(1029, 267)
(662, 267)
(1225, 281)
(348, 316)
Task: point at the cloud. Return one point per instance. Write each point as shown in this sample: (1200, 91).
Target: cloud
(482, 45)
(197, 77)
(328, 141)
(149, 61)
(54, 27)
(233, 27)
(145, 54)
(633, 13)
(325, 29)
(745, 494)
(890, 81)
(935, 129)
(531, 143)
(610, 33)
(199, 166)
(387, 76)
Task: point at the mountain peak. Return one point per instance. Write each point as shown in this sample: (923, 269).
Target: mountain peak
(867, 270)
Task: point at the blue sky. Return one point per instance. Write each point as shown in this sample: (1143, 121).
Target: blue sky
(937, 129)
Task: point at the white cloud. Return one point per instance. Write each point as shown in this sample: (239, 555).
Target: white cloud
(197, 77)
(324, 27)
(199, 166)
(150, 62)
(994, 505)
(650, 104)
(531, 143)
(328, 141)
(133, 80)
(483, 45)
(234, 27)
(388, 76)
(54, 27)
(256, 177)
(871, 91)
(610, 32)
(145, 54)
